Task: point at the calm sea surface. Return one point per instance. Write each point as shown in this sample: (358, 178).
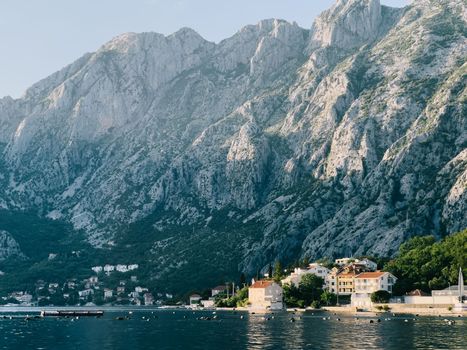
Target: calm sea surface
(167, 329)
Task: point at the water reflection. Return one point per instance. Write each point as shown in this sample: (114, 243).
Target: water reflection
(185, 330)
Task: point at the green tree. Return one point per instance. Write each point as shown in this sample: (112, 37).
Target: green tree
(310, 288)
(328, 298)
(242, 281)
(292, 296)
(278, 273)
(304, 263)
(270, 271)
(422, 263)
(380, 296)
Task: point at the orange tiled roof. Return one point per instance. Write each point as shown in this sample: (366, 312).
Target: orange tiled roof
(261, 284)
(375, 274)
(347, 275)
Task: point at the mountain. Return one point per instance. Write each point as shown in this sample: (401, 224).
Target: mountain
(201, 160)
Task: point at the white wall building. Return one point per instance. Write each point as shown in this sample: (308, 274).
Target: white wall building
(121, 268)
(85, 293)
(265, 295)
(371, 265)
(217, 290)
(367, 283)
(132, 267)
(343, 261)
(446, 296)
(195, 299)
(97, 269)
(314, 268)
(109, 268)
(108, 293)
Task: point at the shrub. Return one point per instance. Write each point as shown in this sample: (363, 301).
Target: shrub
(380, 296)
(315, 304)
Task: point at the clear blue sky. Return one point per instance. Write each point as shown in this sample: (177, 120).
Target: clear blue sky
(38, 37)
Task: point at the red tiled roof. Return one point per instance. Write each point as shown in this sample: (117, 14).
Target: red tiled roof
(370, 275)
(261, 284)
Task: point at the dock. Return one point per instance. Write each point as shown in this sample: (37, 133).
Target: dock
(80, 313)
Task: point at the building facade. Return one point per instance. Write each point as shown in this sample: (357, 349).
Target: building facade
(265, 295)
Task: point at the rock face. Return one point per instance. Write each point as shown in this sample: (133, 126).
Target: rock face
(277, 142)
(9, 248)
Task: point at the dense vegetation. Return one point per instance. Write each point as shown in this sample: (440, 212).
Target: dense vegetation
(308, 293)
(423, 263)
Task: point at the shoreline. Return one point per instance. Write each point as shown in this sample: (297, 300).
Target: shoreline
(404, 310)
(345, 310)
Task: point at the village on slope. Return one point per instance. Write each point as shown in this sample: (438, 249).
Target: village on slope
(414, 281)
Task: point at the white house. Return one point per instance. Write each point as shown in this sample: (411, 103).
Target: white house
(108, 293)
(370, 265)
(314, 268)
(265, 295)
(97, 269)
(367, 283)
(121, 268)
(132, 267)
(85, 293)
(343, 261)
(367, 263)
(148, 299)
(109, 268)
(134, 295)
(218, 290)
(141, 289)
(195, 299)
(208, 303)
(93, 280)
(23, 297)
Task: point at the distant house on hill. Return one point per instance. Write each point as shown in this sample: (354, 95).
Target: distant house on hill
(108, 293)
(148, 299)
(195, 299)
(218, 290)
(314, 269)
(265, 295)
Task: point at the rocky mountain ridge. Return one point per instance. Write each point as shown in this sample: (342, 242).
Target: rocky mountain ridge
(347, 138)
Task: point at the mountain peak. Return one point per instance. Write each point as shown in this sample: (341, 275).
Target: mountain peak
(348, 24)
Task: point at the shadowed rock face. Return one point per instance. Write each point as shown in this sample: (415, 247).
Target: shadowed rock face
(277, 142)
(9, 248)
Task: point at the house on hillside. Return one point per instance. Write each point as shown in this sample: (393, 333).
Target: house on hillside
(195, 299)
(85, 293)
(265, 295)
(314, 268)
(367, 283)
(108, 293)
(148, 299)
(218, 290)
(340, 281)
